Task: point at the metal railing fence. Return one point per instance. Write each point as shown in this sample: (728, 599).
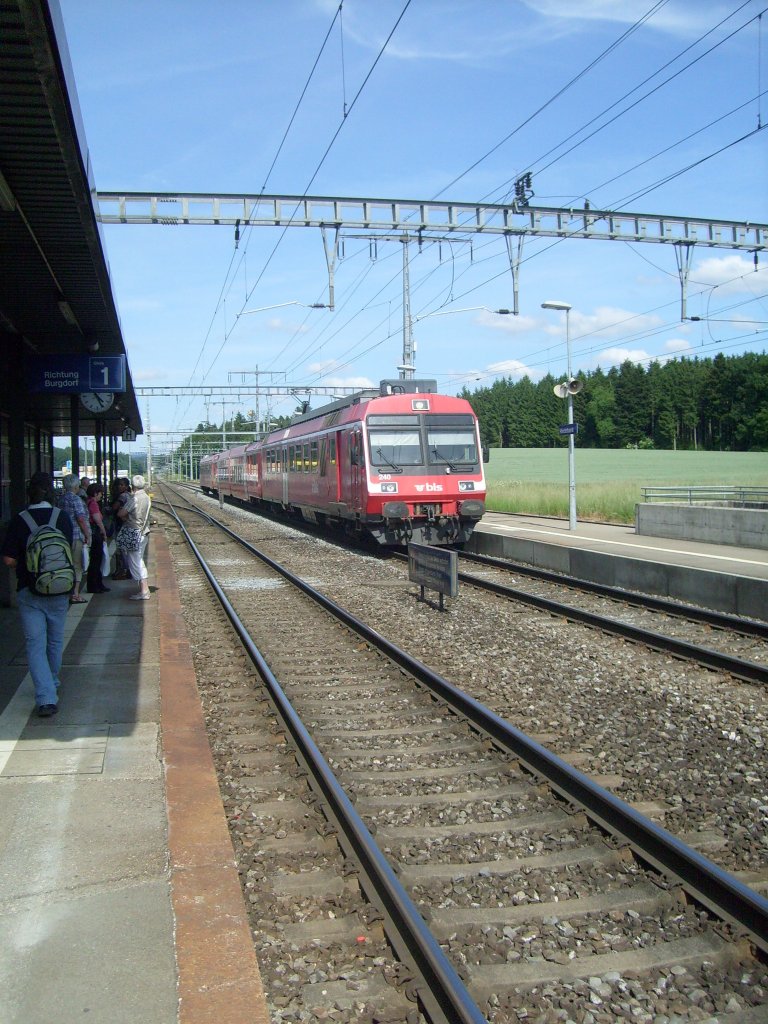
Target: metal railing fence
(692, 495)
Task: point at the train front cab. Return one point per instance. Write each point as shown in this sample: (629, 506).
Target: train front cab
(424, 472)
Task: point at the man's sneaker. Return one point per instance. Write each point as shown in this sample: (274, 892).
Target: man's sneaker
(46, 710)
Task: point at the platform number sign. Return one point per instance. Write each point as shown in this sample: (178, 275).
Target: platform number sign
(106, 373)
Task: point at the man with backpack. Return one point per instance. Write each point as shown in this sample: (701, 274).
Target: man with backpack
(38, 545)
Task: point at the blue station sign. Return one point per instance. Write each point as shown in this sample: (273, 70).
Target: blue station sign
(73, 374)
(569, 428)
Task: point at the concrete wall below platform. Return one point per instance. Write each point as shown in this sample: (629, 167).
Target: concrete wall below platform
(735, 595)
(741, 527)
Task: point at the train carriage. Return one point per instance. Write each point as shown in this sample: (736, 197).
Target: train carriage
(398, 464)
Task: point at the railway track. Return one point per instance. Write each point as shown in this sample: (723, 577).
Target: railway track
(542, 896)
(721, 642)
(735, 645)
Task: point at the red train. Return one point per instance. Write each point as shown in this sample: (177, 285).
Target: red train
(398, 464)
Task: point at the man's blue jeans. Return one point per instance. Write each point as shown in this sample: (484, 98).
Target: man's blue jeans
(43, 620)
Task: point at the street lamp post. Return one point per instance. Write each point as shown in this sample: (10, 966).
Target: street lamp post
(567, 390)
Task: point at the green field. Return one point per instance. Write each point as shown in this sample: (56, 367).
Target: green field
(608, 483)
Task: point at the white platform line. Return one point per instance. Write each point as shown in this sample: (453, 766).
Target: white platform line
(630, 547)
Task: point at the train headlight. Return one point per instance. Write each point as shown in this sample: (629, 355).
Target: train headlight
(466, 485)
(395, 510)
(473, 509)
(389, 488)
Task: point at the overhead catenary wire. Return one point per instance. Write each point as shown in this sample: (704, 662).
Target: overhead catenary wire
(670, 147)
(489, 279)
(646, 95)
(278, 151)
(682, 170)
(315, 173)
(625, 200)
(584, 71)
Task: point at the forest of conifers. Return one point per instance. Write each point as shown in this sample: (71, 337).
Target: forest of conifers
(718, 404)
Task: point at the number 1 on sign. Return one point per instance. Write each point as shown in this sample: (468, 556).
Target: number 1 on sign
(105, 374)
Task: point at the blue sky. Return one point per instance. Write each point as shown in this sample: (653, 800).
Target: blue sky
(196, 97)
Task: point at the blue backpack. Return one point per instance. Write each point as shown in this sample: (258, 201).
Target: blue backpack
(49, 557)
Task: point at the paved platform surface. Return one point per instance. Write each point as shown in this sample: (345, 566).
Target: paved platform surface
(623, 541)
(119, 895)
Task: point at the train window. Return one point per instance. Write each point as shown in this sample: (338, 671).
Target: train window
(395, 448)
(292, 459)
(393, 421)
(451, 447)
(313, 456)
(450, 419)
(332, 452)
(307, 464)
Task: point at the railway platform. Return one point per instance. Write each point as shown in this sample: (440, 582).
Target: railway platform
(119, 895)
(725, 578)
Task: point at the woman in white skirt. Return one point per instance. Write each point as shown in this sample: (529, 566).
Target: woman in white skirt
(131, 539)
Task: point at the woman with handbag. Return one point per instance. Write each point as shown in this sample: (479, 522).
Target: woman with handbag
(94, 494)
(134, 515)
(119, 494)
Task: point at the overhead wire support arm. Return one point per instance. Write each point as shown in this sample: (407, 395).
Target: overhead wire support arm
(244, 390)
(414, 215)
(426, 220)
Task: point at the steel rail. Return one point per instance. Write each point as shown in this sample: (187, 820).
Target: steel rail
(720, 620)
(442, 993)
(750, 671)
(727, 897)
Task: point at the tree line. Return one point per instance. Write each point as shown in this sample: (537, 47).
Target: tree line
(62, 455)
(718, 404)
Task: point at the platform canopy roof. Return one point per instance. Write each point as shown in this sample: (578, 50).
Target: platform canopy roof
(55, 289)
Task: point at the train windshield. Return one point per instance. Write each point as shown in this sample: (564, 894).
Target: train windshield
(395, 448)
(452, 447)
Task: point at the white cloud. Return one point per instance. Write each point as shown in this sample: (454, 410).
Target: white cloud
(611, 321)
(730, 274)
(471, 33)
(677, 346)
(513, 368)
(617, 356)
(676, 18)
(325, 369)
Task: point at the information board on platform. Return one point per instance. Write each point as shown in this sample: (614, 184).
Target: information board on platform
(434, 568)
(74, 374)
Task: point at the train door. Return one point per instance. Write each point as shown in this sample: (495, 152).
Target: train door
(357, 466)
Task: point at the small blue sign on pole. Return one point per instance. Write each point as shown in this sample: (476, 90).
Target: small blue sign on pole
(569, 428)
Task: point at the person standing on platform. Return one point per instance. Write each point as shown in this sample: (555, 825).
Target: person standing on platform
(95, 493)
(74, 506)
(43, 617)
(119, 494)
(130, 540)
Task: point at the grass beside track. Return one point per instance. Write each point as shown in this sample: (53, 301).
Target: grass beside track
(534, 481)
